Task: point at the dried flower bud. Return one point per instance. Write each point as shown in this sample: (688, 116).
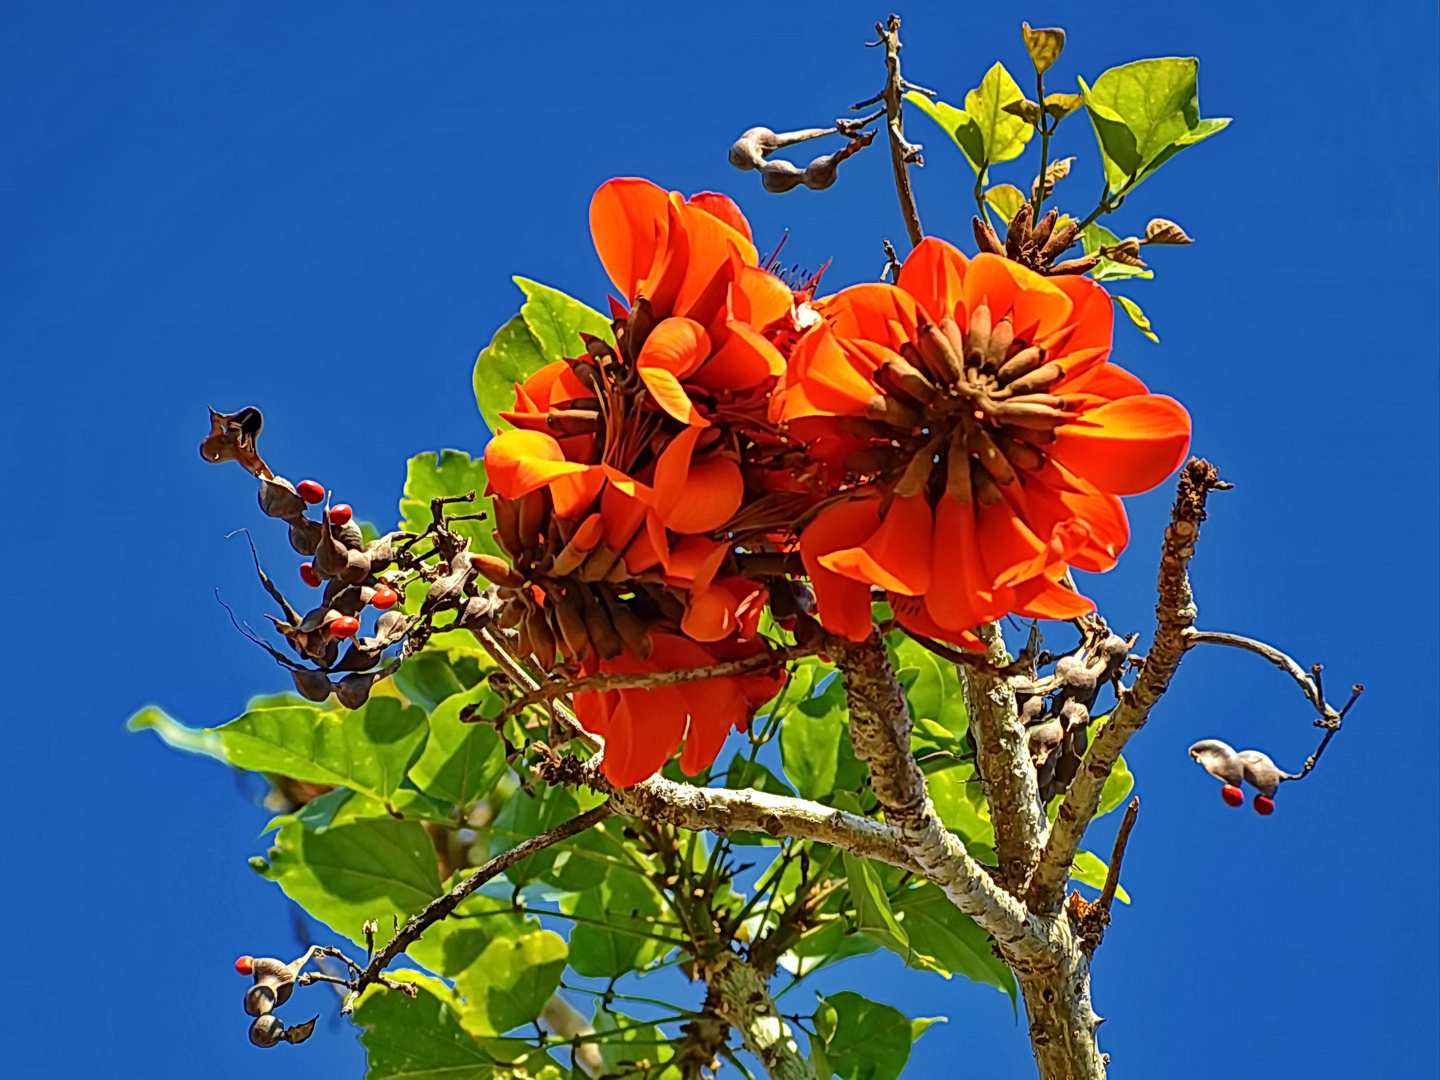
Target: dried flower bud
(497, 570)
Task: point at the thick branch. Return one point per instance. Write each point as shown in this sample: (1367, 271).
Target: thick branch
(1003, 761)
(738, 995)
(902, 153)
(722, 811)
(1174, 616)
(442, 906)
(880, 730)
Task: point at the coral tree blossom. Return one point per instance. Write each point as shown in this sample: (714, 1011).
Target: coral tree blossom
(978, 440)
(622, 477)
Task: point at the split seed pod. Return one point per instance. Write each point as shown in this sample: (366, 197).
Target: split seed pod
(1219, 760)
(1262, 773)
(279, 499)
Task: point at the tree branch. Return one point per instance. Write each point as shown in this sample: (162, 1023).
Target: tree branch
(442, 906)
(1117, 855)
(902, 153)
(1003, 762)
(880, 730)
(740, 996)
(1174, 615)
(723, 811)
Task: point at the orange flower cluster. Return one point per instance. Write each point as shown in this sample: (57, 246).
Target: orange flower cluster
(958, 440)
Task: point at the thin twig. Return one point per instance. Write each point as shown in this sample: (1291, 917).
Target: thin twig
(442, 906)
(902, 153)
(1117, 854)
(1307, 684)
(275, 594)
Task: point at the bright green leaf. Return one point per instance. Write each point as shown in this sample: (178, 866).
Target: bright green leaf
(461, 762)
(1003, 133)
(510, 981)
(943, 932)
(871, 1041)
(175, 734)
(922, 1024)
(556, 321)
(1090, 869)
(454, 943)
(524, 816)
(1117, 787)
(1095, 237)
(367, 749)
(826, 944)
(1136, 316)
(512, 356)
(1006, 199)
(956, 123)
(621, 920)
(810, 737)
(373, 869)
(626, 1043)
(873, 916)
(427, 679)
(451, 472)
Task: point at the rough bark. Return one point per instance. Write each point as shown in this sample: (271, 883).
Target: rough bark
(1062, 1023)
(739, 995)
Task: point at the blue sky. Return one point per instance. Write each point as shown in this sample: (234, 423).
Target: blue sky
(316, 209)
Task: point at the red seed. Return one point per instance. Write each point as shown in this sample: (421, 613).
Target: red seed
(384, 598)
(308, 575)
(344, 627)
(340, 514)
(310, 491)
(245, 965)
(1232, 795)
(1264, 805)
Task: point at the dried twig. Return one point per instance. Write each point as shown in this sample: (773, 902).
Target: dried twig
(1117, 855)
(902, 153)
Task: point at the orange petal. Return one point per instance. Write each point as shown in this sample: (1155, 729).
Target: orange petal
(574, 494)
(694, 562)
(642, 554)
(645, 728)
(896, 557)
(759, 297)
(676, 345)
(1103, 381)
(910, 613)
(709, 241)
(1041, 598)
(722, 207)
(589, 533)
(830, 381)
(1037, 308)
(842, 604)
(875, 312)
(716, 706)
(934, 275)
(1010, 551)
(960, 596)
(519, 462)
(665, 388)
(1092, 316)
(691, 497)
(746, 359)
(1127, 446)
(623, 515)
(628, 222)
(710, 615)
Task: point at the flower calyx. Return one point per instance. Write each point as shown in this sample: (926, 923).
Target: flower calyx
(1036, 245)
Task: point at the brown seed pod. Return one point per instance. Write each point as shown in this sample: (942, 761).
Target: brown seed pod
(599, 628)
(391, 627)
(267, 1031)
(354, 690)
(534, 519)
(305, 535)
(1262, 773)
(1043, 740)
(313, 685)
(232, 438)
(1219, 760)
(350, 535)
(279, 499)
(570, 621)
(1074, 676)
(260, 999)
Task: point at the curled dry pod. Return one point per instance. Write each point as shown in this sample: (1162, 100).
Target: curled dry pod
(1219, 760)
(1073, 675)
(390, 628)
(305, 535)
(313, 685)
(382, 550)
(357, 567)
(497, 570)
(346, 599)
(331, 557)
(354, 690)
(350, 535)
(512, 613)
(300, 1032)
(279, 499)
(260, 999)
(267, 1031)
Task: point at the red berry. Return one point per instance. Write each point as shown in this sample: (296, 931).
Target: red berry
(245, 965)
(310, 491)
(385, 597)
(340, 514)
(1264, 805)
(1232, 795)
(345, 626)
(308, 575)
(787, 624)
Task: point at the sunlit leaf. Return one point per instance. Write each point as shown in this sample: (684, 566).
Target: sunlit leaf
(451, 472)
(632, 1049)
(1044, 45)
(461, 762)
(957, 123)
(871, 1041)
(1004, 135)
(1136, 316)
(524, 816)
(556, 321)
(510, 981)
(617, 926)
(453, 944)
(1095, 237)
(873, 916)
(175, 734)
(1090, 869)
(367, 749)
(512, 356)
(1117, 787)
(1006, 200)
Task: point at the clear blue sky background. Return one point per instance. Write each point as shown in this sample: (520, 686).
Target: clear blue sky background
(316, 209)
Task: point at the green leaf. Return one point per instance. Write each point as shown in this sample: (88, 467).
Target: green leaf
(956, 123)
(1097, 236)
(628, 1043)
(1158, 103)
(948, 936)
(512, 356)
(871, 1041)
(428, 679)
(453, 944)
(373, 869)
(960, 804)
(630, 911)
(461, 762)
(1136, 316)
(422, 1039)
(1117, 787)
(451, 472)
(1006, 199)
(810, 738)
(524, 816)
(1090, 869)
(932, 684)
(367, 749)
(556, 321)
(175, 734)
(1003, 134)
(829, 943)
(510, 982)
(873, 916)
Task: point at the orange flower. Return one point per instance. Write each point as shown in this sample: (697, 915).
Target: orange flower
(643, 727)
(983, 438)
